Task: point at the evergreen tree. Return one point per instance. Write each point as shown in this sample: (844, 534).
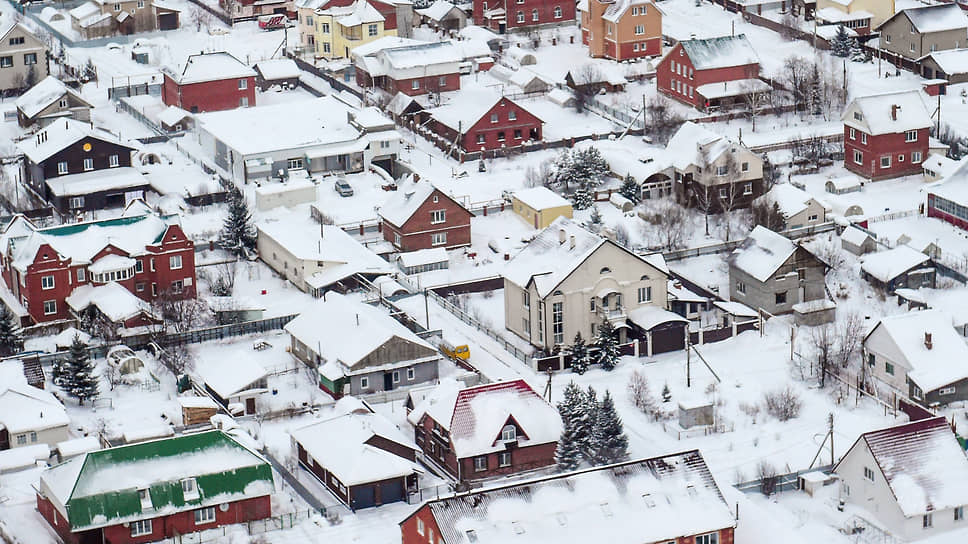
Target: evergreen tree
(579, 355)
(589, 411)
(815, 90)
(11, 337)
(589, 166)
(858, 53)
(840, 45)
(611, 444)
(563, 176)
(630, 189)
(79, 380)
(570, 452)
(596, 219)
(238, 235)
(582, 199)
(666, 394)
(607, 344)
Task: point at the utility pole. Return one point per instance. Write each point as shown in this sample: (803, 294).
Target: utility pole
(688, 361)
(830, 433)
(426, 310)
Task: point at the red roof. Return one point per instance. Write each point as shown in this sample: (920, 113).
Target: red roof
(463, 421)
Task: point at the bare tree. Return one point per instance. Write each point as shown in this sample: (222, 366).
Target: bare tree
(177, 314)
(783, 404)
(730, 196)
(757, 101)
(661, 120)
(586, 81)
(700, 190)
(850, 336)
(224, 282)
(823, 341)
(795, 76)
(766, 473)
(665, 223)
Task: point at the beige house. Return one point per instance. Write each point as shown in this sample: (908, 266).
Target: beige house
(798, 207)
(50, 100)
(910, 478)
(567, 280)
(860, 15)
(915, 32)
(99, 18)
(30, 416)
(23, 57)
(540, 206)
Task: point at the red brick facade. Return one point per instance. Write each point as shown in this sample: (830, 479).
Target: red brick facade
(217, 95)
(50, 279)
(162, 527)
(523, 13)
(884, 156)
(677, 77)
(505, 124)
(421, 232)
(447, 82)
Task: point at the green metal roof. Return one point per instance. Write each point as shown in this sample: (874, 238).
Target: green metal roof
(105, 491)
(75, 228)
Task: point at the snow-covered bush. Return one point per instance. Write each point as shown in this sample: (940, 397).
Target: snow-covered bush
(783, 404)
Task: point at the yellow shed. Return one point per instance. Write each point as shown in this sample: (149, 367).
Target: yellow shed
(540, 206)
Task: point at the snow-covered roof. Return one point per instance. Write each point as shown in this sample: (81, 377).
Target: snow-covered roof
(855, 236)
(762, 253)
(888, 113)
(43, 94)
(834, 15)
(423, 257)
(887, 265)
(77, 446)
(329, 244)
(297, 125)
(934, 18)
(665, 498)
(735, 87)
(351, 457)
(540, 198)
(172, 115)
(96, 181)
(230, 375)
(112, 299)
(353, 330)
(735, 308)
(25, 408)
(274, 69)
(648, 317)
(399, 208)
(954, 186)
(922, 463)
(617, 9)
(951, 61)
(720, 52)
(842, 183)
(400, 102)
(58, 135)
(84, 11)
(362, 13)
(66, 337)
(944, 363)
(690, 140)
(386, 42)
(791, 199)
(472, 106)
(476, 415)
(213, 66)
(940, 164)
(438, 10)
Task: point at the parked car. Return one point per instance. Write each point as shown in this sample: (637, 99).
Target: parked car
(343, 188)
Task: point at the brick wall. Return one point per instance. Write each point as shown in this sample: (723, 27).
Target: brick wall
(665, 76)
(418, 231)
(522, 459)
(884, 145)
(409, 527)
(217, 95)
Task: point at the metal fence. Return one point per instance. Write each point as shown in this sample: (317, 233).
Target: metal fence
(782, 482)
(722, 247)
(474, 322)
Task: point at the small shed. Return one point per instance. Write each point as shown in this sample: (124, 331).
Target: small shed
(281, 72)
(843, 184)
(938, 166)
(620, 202)
(540, 206)
(563, 98)
(76, 446)
(424, 260)
(911, 297)
(814, 312)
(696, 413)
(235, 382)
(175, 119)
(857, 241)
(229, 310)
(197, 409)
(812, 481)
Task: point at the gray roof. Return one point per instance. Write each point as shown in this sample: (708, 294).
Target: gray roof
(721, 52)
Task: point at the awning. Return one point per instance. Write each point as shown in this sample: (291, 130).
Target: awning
(650, 317)
(606, 291)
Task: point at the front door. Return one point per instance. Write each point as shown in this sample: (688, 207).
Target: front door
(4, 440)
(250, 405)
(387, 381)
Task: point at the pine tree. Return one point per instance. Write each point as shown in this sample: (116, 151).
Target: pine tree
(586, 431)
(607, 344)
(238, 235)
(79, 380)
(630, 189)
(840, 45)
(857, 53)
(11, 337)
(596, 219)
(582, 199)
(666, 394)
(570, 451)
(579, 355)
(815, 98)
(611, 444)
(589, 166)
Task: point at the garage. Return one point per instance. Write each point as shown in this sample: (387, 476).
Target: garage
(391, 491)
(168, 21)
(658, 330)
(363, 496)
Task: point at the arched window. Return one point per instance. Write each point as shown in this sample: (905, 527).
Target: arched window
(644, 278)
(509, 433)
(605, 270)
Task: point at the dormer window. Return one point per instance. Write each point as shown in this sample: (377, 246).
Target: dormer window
(145, 498)
(605, 270)
(509, 433)
(189, 488)
(858, 116)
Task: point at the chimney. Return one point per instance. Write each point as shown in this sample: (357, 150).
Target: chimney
(894, 108)
(927, 340)
(562, 236)
(357, 320)
(572, 242)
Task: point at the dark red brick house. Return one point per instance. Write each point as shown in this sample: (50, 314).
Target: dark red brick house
(409, 67)
(886, 135)
(147, 254)
(680, 503)
(210, 82)
(486, 123)
(488, 430)
(503, 15)
(948, 200)
(421, 216)
(710, 73)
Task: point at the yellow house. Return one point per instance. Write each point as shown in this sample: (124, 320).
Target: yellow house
(332, 31)
(860, 15)
(540, 206)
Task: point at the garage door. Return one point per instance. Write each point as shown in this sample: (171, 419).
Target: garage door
(391, 492)
(362, 497)
(668, 337)
(168, 21)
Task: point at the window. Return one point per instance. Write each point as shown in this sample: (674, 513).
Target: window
(959, 513)
(145, 498)
(723, 192)
(886, 161)
(500, 136)
(154, 289)
(480, 138)
(395, 375)
(438, 216)
(309, 20)
(863, 138)
(420, 527)
(81, 275)
(415, 84)
(557, 12)
(509, 433)
(494, 118)
(709, 538)
(438, 239)
(243, 84)
(410, 374)
(517, 134)
(88, 164)
(911, 136)
(17, 41)
(372, 30)
(33, 436)
(557, 323)
(541, 324)
(139, 267)
(781, 298)
(175, 262)
(813, 217)
(639, 30)
(526, 300)
(189, 487)
(113, 161)
(635, 47)
(526, 325)
(858, 157)
(645, 294)
(30, 58)
(177, 287)
(947, 391)
(722, 170)
(6, 62)
(520, 18)
(326, 47)
(858, 116)
(244, 102)
(887, 38)
(748, 188)
(852, 133)
(117, 7)
(47, 282)
(480, 463)
(205, 515)
(512, 115)
(912, 48)
(744, 167)
(926, 521)
(889, 368)
(324, 28)
(915, 157)
(916, 392)
(741, 287)
(534, 16)
(868, 474)
(364, 382)
(442, 81)
(50, 307)
(21, 439)
(504, 459)
(141, 527)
